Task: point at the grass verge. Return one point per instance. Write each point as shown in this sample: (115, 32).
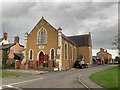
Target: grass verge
(107, 78)
(9, 73)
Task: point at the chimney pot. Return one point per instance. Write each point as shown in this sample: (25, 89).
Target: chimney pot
(5, 35)
(16, 39)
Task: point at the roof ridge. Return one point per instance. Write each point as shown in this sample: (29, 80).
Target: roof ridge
(78, 35)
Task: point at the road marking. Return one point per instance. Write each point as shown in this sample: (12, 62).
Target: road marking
(12, 87)
(82, 82)
(9, 86)
(23, 82)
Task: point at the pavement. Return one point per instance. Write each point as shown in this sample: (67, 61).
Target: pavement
(87, 83)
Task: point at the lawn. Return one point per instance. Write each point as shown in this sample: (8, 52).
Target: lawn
(107, 78)
(9, 73)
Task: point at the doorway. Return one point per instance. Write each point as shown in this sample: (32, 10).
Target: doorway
(41, 58)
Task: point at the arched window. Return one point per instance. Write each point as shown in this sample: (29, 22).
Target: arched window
(75, 54)
(65, 51)
(52, 54)
(70, 52)
(42, 36)
(31, 54)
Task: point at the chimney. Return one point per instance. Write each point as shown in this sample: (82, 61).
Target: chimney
(5, 35)
(16, 39)
(101, 50)
(106, 51)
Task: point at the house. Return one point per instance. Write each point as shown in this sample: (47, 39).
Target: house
(16, 52)
(48, 44)
(15, 49)
(2, 48)
(104, 54)
(3, 41)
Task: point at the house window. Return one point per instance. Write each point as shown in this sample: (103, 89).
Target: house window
(42, 36)
(65, 51)
(70, 52)
(31, 54)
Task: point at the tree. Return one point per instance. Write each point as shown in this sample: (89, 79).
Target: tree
(5, 53)
(116, 44)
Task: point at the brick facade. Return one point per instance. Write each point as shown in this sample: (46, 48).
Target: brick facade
(55, 42)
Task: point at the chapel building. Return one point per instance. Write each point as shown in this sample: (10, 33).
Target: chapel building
(46, 43)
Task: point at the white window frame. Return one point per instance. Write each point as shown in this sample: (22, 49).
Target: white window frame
(32, 54)
(39, 31)
(50, 54)
(71, 48)
(64, 51)
(75, 53)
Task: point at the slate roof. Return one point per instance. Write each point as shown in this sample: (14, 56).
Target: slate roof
(69, 40)
(18, 56)
(19, 44)
(81, 40)
(1, 39)
(5, 46)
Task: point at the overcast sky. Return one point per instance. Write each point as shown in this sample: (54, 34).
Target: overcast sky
(99, 18)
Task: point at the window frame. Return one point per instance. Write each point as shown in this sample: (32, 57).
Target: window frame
(71, 52)
(42, 39)
(31, 54)
(66, 51)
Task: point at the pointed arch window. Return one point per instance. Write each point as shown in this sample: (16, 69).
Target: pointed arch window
(75, 54)
(65, 51)
(42, 35)
(70, 52)
(52, 54)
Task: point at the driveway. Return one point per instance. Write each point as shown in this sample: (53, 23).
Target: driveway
(63, 79)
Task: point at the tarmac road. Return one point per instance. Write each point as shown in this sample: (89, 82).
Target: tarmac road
(63, 79)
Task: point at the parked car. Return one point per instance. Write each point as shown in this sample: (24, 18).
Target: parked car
(80, 65)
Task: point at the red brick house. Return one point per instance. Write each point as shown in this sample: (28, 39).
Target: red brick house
(104, 54)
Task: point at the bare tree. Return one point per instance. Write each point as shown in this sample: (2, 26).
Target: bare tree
(116, 45)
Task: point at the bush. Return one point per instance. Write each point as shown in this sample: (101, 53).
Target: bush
(8, 66)
(45, 64)
(106, 60)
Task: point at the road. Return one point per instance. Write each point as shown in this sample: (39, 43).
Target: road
(63, 79)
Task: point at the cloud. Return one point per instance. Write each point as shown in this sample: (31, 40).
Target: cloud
(16, 10)
(99, 18)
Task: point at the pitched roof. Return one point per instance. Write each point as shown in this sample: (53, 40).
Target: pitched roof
(69, 40)
(15, 44)
(18, 56)
(43, 19)
(1, 39)
(5, 46)
(81, 40)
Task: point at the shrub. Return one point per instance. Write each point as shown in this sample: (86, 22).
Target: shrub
(106, 60)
